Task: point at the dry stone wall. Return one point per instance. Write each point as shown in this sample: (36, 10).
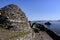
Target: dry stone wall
(16, 17)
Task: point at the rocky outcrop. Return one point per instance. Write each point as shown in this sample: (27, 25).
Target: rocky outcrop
(16, 17)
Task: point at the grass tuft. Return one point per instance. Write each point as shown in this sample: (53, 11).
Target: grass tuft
(12, 34)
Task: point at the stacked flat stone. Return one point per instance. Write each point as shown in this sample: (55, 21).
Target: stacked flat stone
(16, 16)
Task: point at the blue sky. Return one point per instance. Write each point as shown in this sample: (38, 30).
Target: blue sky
(37, 9)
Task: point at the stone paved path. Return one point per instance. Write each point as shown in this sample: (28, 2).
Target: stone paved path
(42, 36)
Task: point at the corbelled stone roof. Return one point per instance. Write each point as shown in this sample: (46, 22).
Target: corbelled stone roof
(16, 16)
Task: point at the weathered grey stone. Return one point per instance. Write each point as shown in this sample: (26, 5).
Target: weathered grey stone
(16, 17)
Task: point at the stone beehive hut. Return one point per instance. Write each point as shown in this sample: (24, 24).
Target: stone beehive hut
(16, 16)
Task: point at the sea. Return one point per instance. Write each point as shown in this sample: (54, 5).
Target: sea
(55, 26)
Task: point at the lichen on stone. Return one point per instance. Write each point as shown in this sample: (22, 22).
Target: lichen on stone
(15, 17)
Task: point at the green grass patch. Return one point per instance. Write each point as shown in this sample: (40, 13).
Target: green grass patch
(16, 34)
(12, 34)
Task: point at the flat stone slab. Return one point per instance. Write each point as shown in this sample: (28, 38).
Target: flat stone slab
(42, 35)
(45, 36)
